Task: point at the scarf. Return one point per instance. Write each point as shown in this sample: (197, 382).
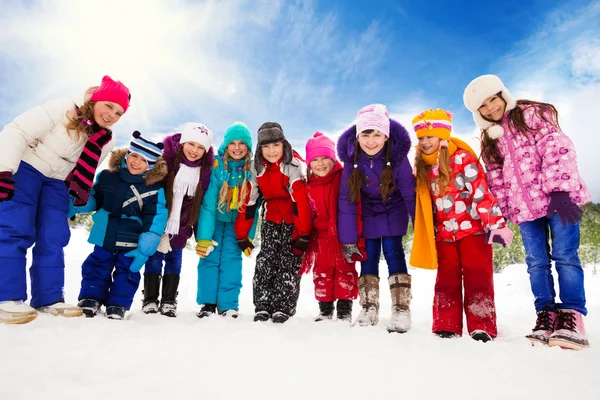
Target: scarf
(185, 183)
(81, 178)
(424, 253)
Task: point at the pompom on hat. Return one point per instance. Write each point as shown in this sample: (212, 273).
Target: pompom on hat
(433, 123)
(475, 94)
(237, 131)
(198, 133)
(146, 148)
(373, 116)
(319, 145)
(113, 91)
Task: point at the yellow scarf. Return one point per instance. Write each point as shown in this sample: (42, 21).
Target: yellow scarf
(423, 253)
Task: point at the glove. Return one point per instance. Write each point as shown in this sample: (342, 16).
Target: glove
(7, 186)
(349, 250)
(138, 260)
(88, 93)
(246, 246)
(502, 236)
(567, 210)
(204, 247)
(301, 243)
(165, 244)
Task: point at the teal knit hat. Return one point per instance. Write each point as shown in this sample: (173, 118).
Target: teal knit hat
(237, 131)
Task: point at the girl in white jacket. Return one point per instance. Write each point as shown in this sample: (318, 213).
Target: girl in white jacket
(46, 154)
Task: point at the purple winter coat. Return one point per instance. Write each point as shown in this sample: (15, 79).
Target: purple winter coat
(171, 147)
(379, 219)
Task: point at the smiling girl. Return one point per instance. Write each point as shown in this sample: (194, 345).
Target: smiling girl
(189, 156)
(46, 153)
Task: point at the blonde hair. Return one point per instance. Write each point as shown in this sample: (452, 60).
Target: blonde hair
(223, 193)
(75, 125)
(443, 178)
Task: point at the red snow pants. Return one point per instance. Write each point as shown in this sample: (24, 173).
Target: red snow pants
(333, 277)
(467, 262)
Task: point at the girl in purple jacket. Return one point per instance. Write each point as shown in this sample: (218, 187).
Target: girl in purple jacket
(189, 157)
(532, 170)
(377, 171)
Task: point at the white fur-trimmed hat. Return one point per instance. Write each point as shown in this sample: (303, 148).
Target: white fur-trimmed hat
(197, 132)
(475, 94)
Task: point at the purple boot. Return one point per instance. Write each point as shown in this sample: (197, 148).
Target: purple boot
(544, 327)
(570, 331)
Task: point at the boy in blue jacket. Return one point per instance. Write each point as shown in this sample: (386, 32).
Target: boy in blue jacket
(130, 216)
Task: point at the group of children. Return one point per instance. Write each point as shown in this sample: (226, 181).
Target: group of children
(155, 195)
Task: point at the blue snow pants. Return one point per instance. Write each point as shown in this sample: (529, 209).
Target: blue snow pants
(172, 260)
(37, 213)
(106, 277)
(220, 273)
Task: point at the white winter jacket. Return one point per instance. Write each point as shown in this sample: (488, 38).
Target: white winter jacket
(39, 138)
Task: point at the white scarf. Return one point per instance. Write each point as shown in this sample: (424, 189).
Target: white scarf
(186, 181)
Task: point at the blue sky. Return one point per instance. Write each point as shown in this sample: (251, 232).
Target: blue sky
(309, 65)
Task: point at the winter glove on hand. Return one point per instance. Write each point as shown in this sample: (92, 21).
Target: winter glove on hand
(88, 93)
(502, 236)
(348, 250)
(246, 246)
(561, 203)
(204, 247)
(138, 260)
(165, 244)
(7, 186)
(301, 243)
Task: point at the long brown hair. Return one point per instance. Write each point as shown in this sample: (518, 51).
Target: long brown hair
(225, 187)
(516, 121)
(357, 179)
(76, 126)
(443, 178)
(196, 201)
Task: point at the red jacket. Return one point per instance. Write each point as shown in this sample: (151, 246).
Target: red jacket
(283, 189)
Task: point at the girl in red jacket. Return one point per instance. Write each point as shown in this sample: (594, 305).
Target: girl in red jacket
(451, 187)
(277, 176)
(334, 277)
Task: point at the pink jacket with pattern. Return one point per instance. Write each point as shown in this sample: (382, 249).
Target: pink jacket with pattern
(535, 165)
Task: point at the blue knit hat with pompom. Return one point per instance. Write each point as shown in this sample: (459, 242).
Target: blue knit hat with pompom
(237, 131)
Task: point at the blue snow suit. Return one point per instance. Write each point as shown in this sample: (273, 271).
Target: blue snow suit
(130, 216)
(220, 273)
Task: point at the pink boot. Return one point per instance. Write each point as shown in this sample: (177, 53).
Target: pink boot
(570, 331)
(544, 327)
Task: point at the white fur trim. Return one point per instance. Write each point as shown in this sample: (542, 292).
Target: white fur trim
(480, 89)
(495, 131)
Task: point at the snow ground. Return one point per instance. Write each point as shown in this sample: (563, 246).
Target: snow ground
(155, 357)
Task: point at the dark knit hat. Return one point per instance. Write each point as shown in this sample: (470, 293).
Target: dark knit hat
(271, 132)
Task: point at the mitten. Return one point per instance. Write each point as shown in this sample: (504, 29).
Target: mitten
(7, 186)
(502, 236)
(165, 244)
(139, 260)
(204, 247)
(246, 246)
(562, 204)
(349, 250)
(301, 243)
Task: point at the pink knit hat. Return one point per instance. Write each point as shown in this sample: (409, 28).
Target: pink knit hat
(319, 146)
(113, 91)
(373, 116)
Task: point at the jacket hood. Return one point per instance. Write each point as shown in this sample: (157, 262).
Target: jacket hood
(155, 175)
(399, 139)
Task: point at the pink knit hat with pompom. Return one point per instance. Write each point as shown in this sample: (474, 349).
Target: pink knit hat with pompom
(319, 146)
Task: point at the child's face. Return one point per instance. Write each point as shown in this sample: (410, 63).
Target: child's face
(272, 152)
(493, 108)
(371, 142)
(136, 164)
(429, 144)
(193, 151)
(321, 166)
(237, 150)
(107, 113)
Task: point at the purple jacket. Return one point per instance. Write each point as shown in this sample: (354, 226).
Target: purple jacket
(170, 150)
(379, 219)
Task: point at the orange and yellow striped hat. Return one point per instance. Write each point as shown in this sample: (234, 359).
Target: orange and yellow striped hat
(433, 123)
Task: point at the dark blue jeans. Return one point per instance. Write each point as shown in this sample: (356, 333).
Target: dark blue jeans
(172, 260)
(565, 244)
(393, 252)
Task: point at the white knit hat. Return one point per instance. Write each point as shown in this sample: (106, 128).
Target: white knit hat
(197, 132)
(475, 94)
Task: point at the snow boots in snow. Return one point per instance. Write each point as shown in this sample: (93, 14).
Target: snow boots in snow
(90, 307)
(232, 313)
(570, 331)
(481, 336)
(326, 311)
(115, 312)
(368, 290)
(151, 287)
(279, 317)
(207, 310)
(261, 316)
(544, 327)
(400, 289)
(168, 302)
(16, 312)
(344, 310)
(62, 309)
(447, 335)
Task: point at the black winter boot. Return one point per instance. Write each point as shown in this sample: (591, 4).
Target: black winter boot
(344, 310)
(207, 310)
(151, 286)
(326, 311)
(168, 302)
